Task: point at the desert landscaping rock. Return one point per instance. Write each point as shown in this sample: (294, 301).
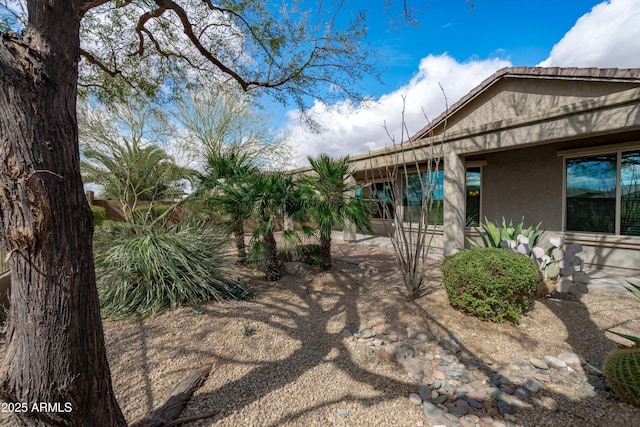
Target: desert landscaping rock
(463, 391)
(571, 358)
(540, 364)
(432, 411)
(555, 362)
(415, 399)
(365, 333)
(533, 385)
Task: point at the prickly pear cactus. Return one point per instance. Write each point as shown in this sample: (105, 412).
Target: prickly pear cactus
(622, 371)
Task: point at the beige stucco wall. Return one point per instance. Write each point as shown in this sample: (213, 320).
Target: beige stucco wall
(529, 182)
(523, 183)
(510, 98)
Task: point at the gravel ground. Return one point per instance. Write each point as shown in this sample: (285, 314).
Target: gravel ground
(296, 369)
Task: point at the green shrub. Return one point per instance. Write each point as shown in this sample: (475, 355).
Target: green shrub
(99, 214)
(142, 270)
(490, 283)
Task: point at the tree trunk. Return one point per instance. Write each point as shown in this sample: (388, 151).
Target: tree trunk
(271, 262)
(55, 362)
(238, 234)
(325, 251)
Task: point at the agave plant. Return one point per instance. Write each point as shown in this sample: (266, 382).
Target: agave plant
(508, 236)
(635, 290)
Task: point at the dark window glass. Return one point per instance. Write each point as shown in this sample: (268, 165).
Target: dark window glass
(432, 186)
(382, 193)
(630, 186)
(591, 193)
(473, 197)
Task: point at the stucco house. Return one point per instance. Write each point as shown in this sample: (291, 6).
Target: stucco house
(557, 145)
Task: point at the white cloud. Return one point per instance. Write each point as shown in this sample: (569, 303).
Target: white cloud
(608, 36)
(352, 130)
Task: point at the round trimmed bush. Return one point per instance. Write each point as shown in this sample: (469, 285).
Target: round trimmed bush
(490, 283)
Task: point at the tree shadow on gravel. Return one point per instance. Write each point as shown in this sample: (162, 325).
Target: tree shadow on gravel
(584, 335)
(131, 355)
(314, 317)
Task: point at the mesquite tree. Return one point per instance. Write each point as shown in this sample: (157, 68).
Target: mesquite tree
(55, 351)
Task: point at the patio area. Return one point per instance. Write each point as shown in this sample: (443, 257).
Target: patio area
(376, 253)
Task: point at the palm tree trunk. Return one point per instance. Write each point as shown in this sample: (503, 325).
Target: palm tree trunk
(238, 234)
(325, 251)
(271, 261)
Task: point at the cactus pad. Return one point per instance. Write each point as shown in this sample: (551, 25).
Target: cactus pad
(622, 371)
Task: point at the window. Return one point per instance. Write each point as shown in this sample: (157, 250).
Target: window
(603, 193)
(382, 193)
(591, 193)
(473, 197)
(433, 186)
(630, 194)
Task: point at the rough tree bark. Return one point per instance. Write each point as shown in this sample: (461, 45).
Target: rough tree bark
(271, 262)
(55, 352)
(238, 235)
(325, 251)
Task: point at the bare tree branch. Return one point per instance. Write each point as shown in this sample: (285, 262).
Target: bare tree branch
(140, 28)
(86, 5)
(92, 59)
(411, 233)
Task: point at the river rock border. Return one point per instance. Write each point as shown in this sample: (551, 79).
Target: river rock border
(455, 390)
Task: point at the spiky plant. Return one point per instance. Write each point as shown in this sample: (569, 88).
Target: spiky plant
(224, 189)
(275, 195)
(143, 270)
(621, 368)
(331, 200)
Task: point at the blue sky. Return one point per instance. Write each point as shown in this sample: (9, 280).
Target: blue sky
(520, 31)
(458, 46)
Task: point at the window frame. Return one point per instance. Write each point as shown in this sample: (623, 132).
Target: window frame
(616, 149)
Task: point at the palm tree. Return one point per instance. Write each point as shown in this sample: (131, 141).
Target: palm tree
(124, 151)
(332, 201)
(225, 186)
(131, 173)
(275, 195)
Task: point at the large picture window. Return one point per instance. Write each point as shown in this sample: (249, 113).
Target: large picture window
(603, 193)
(432, 186)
